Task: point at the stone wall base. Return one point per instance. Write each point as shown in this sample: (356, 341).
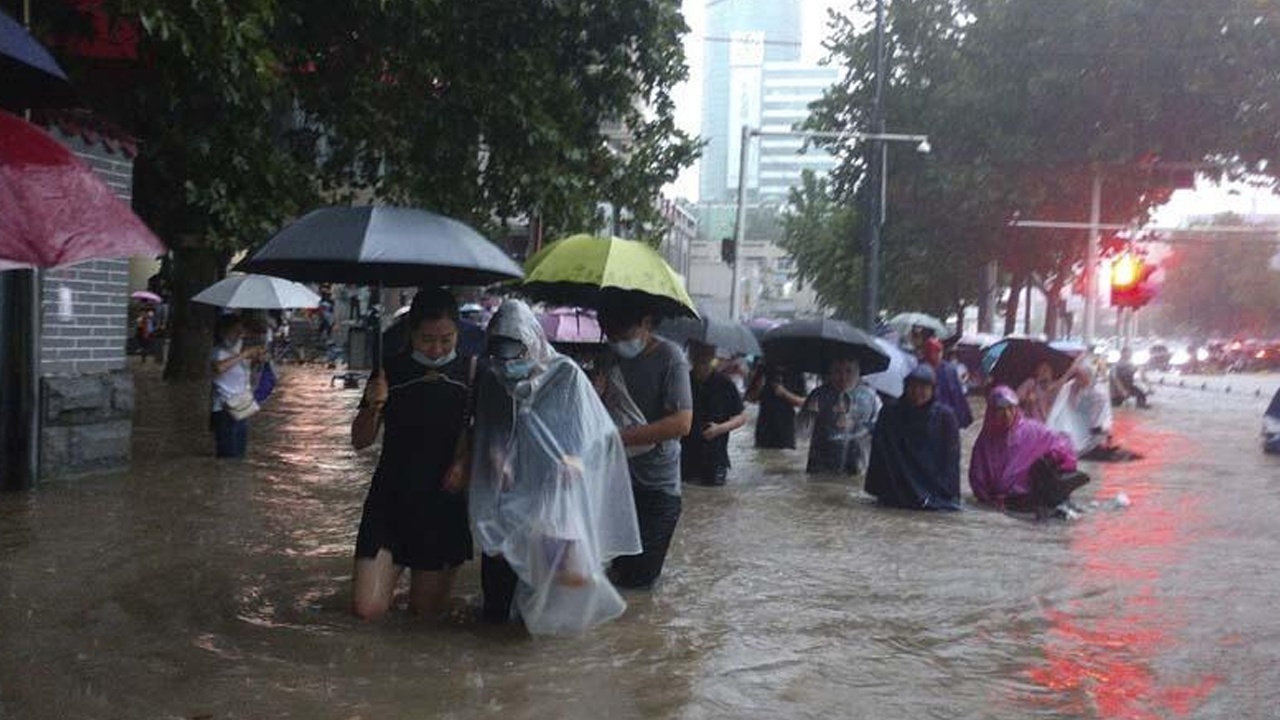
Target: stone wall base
(88, 423)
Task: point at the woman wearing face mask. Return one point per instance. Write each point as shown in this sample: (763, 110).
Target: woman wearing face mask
(415, 515)
(550, 496)
(230, 362)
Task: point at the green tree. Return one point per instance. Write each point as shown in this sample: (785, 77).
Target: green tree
(1025, 100)
(819, 231)
(251, 112)
(1221, 285)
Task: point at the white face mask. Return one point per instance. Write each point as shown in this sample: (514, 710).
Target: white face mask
(435, 363)
(237, 346)
(628, 349)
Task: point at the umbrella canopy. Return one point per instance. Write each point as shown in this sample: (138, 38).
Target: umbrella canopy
(587, 271)
(759, 326)
(812, 345)
(54, 210)
(731, 337)
(890, 381)
(1013, 360)
(903, 322)
(387, 246)
(146, 296)
(1073, 348)
(32, 78)
(571, 326)
(261, 292)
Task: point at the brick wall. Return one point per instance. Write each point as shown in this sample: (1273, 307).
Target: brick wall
(86, 305)
(87, 405)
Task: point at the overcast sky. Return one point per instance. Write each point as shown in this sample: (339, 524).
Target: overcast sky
(1204, 200)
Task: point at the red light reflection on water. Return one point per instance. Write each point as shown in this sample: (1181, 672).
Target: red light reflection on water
(1101, 649)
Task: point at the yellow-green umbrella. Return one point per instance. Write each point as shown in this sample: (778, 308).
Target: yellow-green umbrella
(588, 271)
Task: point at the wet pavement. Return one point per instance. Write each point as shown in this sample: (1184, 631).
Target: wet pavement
(191, 588)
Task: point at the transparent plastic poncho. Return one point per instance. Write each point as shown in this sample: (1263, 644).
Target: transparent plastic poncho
(550, 490)
(1079, 409)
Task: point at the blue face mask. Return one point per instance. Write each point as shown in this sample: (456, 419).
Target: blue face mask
(628, 349)
(437, 362)
(517, 369)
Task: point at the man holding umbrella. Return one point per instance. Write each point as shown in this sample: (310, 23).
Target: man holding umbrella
(657, 378)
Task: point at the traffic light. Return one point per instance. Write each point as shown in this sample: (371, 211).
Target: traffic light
(1130, 281)
(727, 250)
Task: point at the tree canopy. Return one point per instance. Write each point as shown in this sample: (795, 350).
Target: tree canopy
(251, 112)
(1024, 100)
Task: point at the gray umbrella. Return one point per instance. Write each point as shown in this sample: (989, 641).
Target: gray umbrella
(378, 245)
(729, 336)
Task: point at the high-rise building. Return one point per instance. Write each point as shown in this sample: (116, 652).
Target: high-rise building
(754, 75)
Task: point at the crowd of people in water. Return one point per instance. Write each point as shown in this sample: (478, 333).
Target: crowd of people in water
(565, 474)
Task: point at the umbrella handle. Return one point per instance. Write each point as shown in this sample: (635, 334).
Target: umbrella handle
(374, 323)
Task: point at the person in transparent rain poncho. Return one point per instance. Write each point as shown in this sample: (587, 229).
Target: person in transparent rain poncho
(550, 492)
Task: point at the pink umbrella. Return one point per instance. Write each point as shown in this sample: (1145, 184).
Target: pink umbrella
(146, 296)
(571, 325)
(54, 210)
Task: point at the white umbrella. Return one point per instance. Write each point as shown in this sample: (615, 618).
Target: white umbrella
(889, 380)
(260, 292)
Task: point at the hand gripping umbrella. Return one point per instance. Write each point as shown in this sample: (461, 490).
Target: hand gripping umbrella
(382, 246)
(812, 345)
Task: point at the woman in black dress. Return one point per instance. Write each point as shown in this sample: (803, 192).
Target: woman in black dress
(416, 513)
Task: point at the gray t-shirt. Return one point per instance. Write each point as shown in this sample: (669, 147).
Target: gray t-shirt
(658, 382)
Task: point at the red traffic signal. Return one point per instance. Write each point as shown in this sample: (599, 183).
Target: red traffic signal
(1130, 281)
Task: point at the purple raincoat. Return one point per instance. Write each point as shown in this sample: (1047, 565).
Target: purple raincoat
(1002, 459)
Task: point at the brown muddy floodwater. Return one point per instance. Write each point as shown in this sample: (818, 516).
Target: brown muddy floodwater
(196, 589)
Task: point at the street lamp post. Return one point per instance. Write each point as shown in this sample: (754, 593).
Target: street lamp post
(876, 161)
(739, 229)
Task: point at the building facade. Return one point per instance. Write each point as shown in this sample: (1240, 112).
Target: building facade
(754, 76)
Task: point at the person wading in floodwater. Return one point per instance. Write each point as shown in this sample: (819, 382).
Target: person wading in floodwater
(415, 515)
(657, 379)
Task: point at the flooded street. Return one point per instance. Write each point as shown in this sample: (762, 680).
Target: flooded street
(197, 589)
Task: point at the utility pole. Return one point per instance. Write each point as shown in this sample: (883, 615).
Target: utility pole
(875, 182)
(740, 221)
(1091, 259)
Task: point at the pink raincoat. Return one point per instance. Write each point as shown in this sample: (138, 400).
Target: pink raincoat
(1002, 458)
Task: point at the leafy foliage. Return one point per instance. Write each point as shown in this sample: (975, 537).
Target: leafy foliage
(1222, 286)
(1024, 100)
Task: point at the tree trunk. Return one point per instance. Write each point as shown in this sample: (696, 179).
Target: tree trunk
(1053, 306)
(190, 324)
(1011, 307)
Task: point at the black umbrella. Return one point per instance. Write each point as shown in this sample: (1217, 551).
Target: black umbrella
(387, 246)
(32, 78)
(731, 337)
(1013, 360)
(382, 246)
(812, 345)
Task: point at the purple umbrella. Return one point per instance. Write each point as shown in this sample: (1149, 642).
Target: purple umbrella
(571, 326)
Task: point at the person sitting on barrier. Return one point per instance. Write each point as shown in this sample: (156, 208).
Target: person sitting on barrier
(1124, 381)
(1020, 464)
